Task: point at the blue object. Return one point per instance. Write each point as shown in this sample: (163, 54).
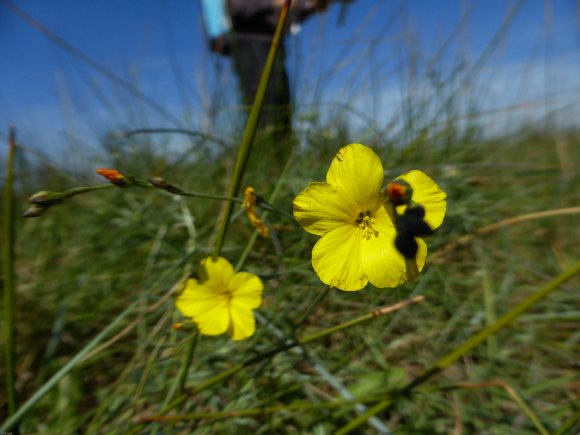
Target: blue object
(215, 18)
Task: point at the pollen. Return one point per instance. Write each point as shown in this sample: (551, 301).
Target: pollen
(365, 222)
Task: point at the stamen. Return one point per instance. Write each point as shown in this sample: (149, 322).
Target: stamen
(365, 222)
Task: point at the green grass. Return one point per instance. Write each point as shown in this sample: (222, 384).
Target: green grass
(87, 260)
(96, 277)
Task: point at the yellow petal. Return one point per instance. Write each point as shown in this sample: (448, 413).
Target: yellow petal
(243, 322)
(214, 322)
(427, 193)
(382, 263)
(359, 171)
(336, 258)
(208, 309)
(195, 299)
(246, 289)
(216, 273)
(321, 208)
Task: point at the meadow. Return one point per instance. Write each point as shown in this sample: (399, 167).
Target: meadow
(96, 342)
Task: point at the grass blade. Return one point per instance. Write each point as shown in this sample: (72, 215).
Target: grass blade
(470, 344)
(9, 277)
(251, 127)
(78, 358)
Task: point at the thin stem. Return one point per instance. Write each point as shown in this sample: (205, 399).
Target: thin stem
(188, 358)
(464, 240)
(78, 358)
(9, 276)
(511, 391)
(346, 403)
(251, 127)
(174, 190)
(179, 131)
(317, 300)
(162, 184)
(569, 425)
(263, 356)
(470, 344)
(260, 411)
(376, 313)
(80, 190)
(267, 207)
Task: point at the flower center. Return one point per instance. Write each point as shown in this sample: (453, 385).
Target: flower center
(365, 222)
(225, 295)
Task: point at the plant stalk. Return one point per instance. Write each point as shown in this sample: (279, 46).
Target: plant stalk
(263, 356)
(251, 127)
(9, 276)
(77, 359)
(469, 345)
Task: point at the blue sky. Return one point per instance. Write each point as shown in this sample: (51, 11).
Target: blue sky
(380, 60)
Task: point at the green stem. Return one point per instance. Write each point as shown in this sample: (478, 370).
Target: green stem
(187, 361)
(511, 391)
(570, 424)
(9, 276)
(161, 184)
(209, 196)
(79, 190)
(268, 207)
(251, 127)
(58, 197)
(529, 412)
(77, 359)
(263, 356)
(470, 344)
(261, 411)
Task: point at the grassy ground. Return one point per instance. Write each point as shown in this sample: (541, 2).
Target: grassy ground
(87, 260)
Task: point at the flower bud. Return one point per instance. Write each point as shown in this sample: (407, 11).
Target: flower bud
(161, 183)
(45, 198)
(249, 203)
(399, 192)
(116, 177)
(34, 211)
(158, 182)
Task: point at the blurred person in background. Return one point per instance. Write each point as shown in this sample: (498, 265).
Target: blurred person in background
(244, 29)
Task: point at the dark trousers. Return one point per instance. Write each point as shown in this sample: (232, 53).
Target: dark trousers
(249, 53)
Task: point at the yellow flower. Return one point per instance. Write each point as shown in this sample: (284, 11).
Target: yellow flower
(221, 300)
(357, 223)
